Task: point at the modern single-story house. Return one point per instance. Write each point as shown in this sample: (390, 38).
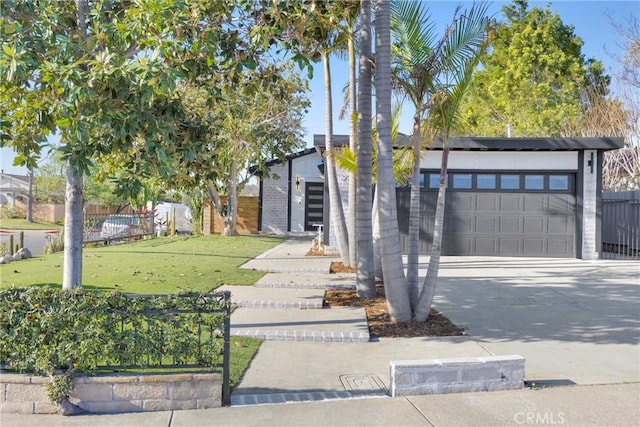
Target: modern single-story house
(538, 197)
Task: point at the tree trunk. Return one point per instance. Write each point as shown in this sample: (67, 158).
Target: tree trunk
(375, 219)
(73, 221)
(414, 215)
(353, 138)
(231, 215)
(395, 283)
(365, 275)
(338, 224)
(30, 199)
(431, 280)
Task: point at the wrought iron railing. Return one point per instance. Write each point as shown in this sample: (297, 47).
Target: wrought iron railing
(192, 331)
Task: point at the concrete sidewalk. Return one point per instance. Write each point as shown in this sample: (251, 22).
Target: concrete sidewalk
(605, 405)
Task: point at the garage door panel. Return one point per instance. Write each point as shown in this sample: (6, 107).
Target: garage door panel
(486, 246)
(534, 224)
(486, 224)
(561, 205)
(462, 202)
(459, 224)
(535, 203)
(510, 246)
(489, 202)
(533, 247)
(560, 224)
(560, 247)
(510, 203)
(458, 244)
(510, 224)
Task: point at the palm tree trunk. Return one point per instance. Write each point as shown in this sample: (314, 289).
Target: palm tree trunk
(365, 273)
(395, 283)
(375, 219)
(353, 139)
(431, 280)
(414, 216)
(338, 224)
(73, 222)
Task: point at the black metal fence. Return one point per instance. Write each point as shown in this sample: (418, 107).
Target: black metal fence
(621, 225)
(190, 331)
(117, 227)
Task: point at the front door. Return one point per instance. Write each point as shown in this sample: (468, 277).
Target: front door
(313, 205)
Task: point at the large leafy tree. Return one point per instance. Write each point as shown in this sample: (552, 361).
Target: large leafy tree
(246, 124)
(103, 74)
(533, 78)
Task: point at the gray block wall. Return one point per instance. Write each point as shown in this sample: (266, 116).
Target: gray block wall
(460, 375)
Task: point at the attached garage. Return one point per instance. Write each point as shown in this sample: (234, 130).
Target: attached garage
(529, 197)
(513, 197)
(499, 214)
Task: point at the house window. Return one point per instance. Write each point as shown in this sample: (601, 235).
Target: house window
(534, 182)
(434, 180)
(510, 182)
(486, 181)
(558, 182)
(462, 181)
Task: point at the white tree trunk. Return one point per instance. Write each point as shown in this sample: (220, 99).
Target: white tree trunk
(73, 222)
(375, 219)
(395, 283)
(414, 216)
(431, 280)
(365, 276)
(353, 138)
(338, 223)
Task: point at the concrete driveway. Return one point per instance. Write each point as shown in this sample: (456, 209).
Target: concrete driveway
(574, 321)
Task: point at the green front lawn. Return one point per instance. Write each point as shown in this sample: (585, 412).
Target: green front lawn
(23, 224)
(153, 266)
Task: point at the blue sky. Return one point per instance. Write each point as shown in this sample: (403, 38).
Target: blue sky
(588, 17)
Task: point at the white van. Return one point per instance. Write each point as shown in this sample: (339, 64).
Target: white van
(165, 212)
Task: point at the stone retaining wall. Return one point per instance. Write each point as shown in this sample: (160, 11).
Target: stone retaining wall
(115, 393)
(416, 377)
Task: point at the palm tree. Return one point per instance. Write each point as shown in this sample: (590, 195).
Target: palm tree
(412, 56)
(421, 62)
(323, 36)
(395, 283)
(461, 48)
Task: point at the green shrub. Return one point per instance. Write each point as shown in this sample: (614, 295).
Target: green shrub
(59, 334)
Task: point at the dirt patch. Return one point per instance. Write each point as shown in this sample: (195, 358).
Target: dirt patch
(339, 267)
(381, 325)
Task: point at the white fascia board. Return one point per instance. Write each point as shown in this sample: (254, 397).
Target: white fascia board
(503, 160)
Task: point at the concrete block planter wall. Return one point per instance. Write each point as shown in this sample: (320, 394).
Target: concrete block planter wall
(440, 376)
(115, 393)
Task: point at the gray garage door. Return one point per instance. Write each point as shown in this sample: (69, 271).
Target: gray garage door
(509, 214)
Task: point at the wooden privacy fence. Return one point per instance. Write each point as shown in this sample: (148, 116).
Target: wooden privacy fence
(621, 224)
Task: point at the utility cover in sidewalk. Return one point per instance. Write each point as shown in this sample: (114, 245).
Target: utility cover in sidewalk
(362, 383)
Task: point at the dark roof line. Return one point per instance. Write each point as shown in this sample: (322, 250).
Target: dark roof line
(501, 144)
